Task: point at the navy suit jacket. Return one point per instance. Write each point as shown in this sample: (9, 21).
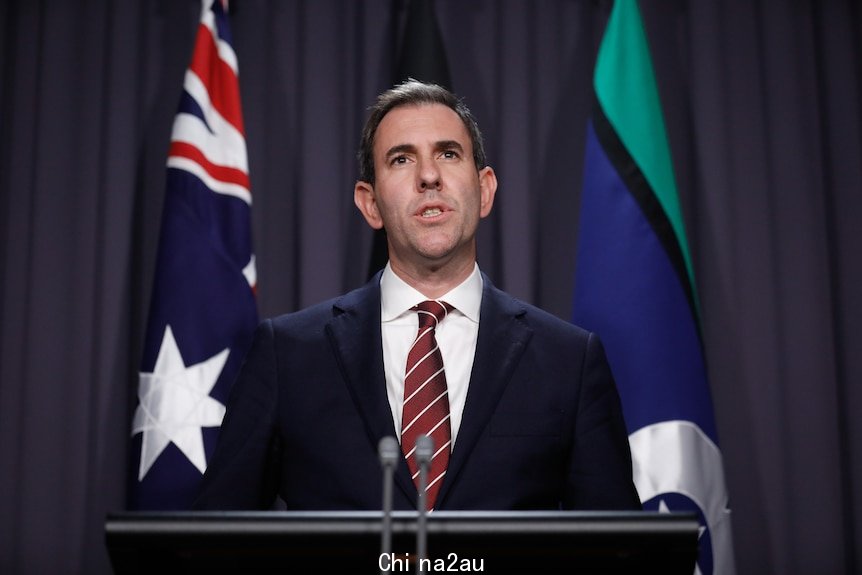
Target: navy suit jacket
(542, 426)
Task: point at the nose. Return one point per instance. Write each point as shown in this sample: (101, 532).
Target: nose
(429, 176)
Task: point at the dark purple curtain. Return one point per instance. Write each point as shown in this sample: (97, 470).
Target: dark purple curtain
(762, 100)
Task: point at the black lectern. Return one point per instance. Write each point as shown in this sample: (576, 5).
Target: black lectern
(529, 542)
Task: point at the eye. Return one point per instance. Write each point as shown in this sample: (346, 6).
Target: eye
(450, 154)
(398, 160)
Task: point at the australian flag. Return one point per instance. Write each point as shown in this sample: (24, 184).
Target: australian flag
(635, 287)
(203, 309)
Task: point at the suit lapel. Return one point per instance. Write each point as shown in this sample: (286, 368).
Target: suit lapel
(355, 336)
(503, 337)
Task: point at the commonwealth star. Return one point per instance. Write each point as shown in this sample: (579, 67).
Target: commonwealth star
(174, 404)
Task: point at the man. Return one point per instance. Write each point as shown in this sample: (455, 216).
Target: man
(521, 406)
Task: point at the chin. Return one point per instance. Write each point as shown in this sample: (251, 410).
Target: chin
(442, 254)
(435, 250)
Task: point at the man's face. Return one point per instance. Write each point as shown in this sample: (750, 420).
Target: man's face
(428, 194)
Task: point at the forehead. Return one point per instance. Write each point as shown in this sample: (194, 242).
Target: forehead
(418, 124)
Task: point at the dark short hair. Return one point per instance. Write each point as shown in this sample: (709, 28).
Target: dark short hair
(413, 93)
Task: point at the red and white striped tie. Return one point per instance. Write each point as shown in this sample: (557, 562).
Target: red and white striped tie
(426, 399)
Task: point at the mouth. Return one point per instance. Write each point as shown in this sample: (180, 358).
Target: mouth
(431, 211)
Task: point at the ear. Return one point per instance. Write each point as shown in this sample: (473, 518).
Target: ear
(363, 197)
(487, 190)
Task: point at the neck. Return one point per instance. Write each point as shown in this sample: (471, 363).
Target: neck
(433, 282)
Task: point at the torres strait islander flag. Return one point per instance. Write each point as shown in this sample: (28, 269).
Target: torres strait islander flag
(634, 287)
(203, 309)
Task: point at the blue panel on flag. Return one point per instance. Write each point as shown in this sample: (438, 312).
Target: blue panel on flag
(221, 23)
(189, 105)
(678, 502)
(173, 483)
(199, 291)
(635, 303)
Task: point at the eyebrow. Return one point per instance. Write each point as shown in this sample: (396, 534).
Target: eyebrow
(400, 149)
(449, 145)
(410, 148)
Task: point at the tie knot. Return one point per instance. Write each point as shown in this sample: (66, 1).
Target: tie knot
(431, 312)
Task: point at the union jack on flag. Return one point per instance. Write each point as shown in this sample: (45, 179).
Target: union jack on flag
(203, 309)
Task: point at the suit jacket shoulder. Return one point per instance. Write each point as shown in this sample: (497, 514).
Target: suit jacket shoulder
(497, 305)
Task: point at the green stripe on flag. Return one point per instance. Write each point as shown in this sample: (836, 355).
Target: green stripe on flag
(627, 92)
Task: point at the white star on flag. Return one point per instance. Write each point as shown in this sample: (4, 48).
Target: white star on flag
(663, 508)
(174, 404)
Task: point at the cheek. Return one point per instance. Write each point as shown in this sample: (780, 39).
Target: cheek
(388, 208)
(393, 191)
(474, 204)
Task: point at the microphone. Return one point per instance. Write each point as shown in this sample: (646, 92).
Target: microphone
(388, 451)
(424, 453)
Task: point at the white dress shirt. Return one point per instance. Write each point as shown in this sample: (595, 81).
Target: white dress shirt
(456, 337)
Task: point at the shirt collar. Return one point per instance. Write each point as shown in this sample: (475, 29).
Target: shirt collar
(397, 296)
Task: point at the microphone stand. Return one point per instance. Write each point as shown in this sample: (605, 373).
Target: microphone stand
(424, 453)
(389, 451)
